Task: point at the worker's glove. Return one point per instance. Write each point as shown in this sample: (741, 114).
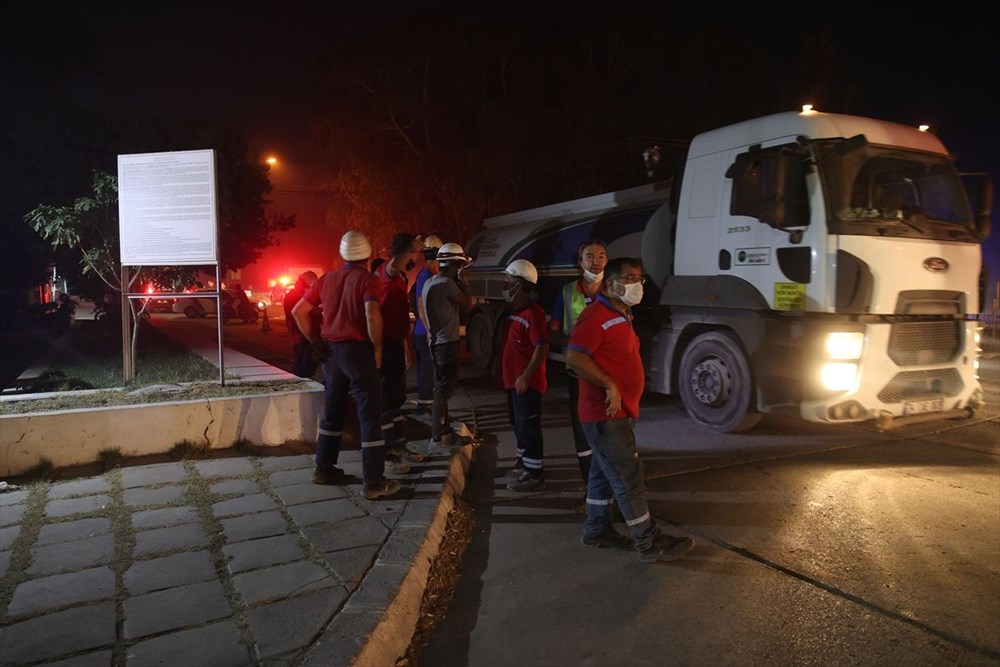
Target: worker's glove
(319, 352)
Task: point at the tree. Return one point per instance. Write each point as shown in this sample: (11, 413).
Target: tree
(90, 226)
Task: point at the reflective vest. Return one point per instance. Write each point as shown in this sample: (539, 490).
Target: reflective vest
(574, 301)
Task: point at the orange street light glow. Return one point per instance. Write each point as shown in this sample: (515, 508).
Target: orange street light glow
(271, 160)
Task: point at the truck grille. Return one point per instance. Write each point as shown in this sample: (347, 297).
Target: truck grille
(922, 343)
(915, 384)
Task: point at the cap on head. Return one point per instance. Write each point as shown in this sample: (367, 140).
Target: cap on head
(522, 268)
(355, 247)
(452, 252)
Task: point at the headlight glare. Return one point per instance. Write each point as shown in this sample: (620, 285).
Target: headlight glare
(839, 376)
(844, 344)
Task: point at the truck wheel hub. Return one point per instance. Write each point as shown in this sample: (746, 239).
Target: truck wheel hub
(710, 382)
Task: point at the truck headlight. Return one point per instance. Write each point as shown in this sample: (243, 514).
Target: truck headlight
(844, 344)
(838, 376)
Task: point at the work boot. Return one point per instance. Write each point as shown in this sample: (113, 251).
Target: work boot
(381, 489)
(516, 471)
(526, 482)
(609, 539)
(400, 452)
(328, 475)
(666, 548)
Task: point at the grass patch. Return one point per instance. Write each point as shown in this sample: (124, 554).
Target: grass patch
(185, 449)
(44, 470)
(157, 394)
(89, 358)
(166, 371)
(110, 457)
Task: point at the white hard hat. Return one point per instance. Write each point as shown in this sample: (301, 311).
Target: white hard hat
(432, 241)
(354, 246)
(450, 252)
(522, 268)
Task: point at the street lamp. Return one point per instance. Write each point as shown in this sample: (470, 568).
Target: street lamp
(271, 160)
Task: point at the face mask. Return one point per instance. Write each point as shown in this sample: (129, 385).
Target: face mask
(592, 277)
(632, 295)
(508, 294)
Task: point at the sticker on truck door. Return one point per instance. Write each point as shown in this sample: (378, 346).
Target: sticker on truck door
(753, 256)
(789, 296)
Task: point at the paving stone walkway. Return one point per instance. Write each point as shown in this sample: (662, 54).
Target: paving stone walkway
(236, 561)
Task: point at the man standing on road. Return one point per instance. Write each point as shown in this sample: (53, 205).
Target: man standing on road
(525, 347)
(443, 300)
(604, 352)
(425, 366)
(591, 257)
(303, 364)
(351, 342)
(397, 355)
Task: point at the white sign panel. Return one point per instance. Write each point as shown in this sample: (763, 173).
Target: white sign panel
(167, 208)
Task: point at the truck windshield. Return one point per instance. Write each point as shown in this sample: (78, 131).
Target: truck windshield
(887, 191)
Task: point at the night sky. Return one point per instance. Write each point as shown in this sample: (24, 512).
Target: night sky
(270, 64)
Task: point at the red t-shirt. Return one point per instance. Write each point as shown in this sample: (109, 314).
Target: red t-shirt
(606, 335)
(342, 295)
(394, 302)
(526, 330)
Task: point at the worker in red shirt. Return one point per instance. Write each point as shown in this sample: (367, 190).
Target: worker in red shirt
(525, 346)
(303, 364)
(397, 352)
(604, 351)
(351, 338)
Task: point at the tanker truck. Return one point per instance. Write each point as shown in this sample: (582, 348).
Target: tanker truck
(812, 264)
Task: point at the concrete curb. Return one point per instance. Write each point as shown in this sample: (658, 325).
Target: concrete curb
(391, 636)
(74, 437)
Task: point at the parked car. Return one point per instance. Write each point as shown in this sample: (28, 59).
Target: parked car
(196, 306)
(160, 305)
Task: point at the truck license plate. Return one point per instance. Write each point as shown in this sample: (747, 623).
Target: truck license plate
(918, 407)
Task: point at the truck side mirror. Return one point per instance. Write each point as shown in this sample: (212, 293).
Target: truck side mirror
(979, 188)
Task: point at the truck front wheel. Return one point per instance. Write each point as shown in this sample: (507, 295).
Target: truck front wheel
(716, 384)
(479, 340)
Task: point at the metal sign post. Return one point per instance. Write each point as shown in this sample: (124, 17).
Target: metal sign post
(168, 216)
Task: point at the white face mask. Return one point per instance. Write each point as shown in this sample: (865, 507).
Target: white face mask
(592, 277)
(632, 295)
(508, 294)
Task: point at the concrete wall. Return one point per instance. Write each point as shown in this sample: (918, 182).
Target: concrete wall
(72, 437)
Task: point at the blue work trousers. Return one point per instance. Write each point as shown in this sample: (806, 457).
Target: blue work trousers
(393, 374)
(616, 472)
(526, 418)
(351, 369)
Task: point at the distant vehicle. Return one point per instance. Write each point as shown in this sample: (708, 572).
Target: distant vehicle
(160, 305)
(194, 307)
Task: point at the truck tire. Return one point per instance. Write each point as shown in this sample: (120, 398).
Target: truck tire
(716, 384)
(479, 340)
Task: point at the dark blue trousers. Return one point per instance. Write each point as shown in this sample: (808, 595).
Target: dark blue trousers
(351, 369)
(526, 418)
